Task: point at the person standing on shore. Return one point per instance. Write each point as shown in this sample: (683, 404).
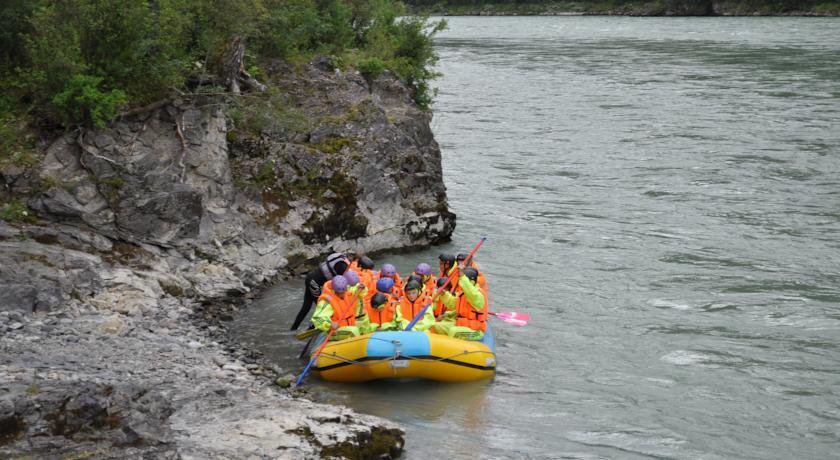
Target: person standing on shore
(335, 264)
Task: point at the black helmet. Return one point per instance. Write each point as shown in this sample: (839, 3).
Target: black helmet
(461, 257)
(366, 263)
(417, 278)
(471, 273)
(378, 300)
(412, 286)
(446, 258)
(441, 281)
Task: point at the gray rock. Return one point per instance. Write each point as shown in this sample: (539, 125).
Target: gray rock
(18, 297)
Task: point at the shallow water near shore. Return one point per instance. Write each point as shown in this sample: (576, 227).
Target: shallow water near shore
(662, 195)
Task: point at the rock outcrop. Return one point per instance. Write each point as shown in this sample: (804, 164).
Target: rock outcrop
(181, 206)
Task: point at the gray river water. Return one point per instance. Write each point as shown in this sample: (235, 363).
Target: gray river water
(662, 195)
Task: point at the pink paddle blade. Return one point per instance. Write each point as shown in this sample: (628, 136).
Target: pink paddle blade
(515, 322)
(517, 319)
(511, 315)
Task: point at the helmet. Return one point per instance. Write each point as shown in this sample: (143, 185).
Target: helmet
(341, 266)
(385, 285)
(352, 277)
(441, 281)
(461, 256)
(388, 270)
(417, 278)
(412, 285)
(378, 300)
(366, 263)
(339, 284)
(446, 258)
(471, 273)
(423, 269)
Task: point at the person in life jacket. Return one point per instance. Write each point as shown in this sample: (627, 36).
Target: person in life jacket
(337, 311)
(481, 280)
(367, 275)
(424, 271)
(441, 312)
(381, 313)
(390, 271)
(447, 261)
(336, 264)
(358, 290)
(411, 304)
(355, 257)
(470, 319)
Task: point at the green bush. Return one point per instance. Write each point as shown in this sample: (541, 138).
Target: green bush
(371, 68)
(15, 211)
(83, 102)
(79, 61)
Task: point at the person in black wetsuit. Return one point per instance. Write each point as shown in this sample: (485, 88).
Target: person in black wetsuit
(336, 264)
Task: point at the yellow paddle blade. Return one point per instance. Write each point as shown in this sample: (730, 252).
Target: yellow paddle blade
(307, 334)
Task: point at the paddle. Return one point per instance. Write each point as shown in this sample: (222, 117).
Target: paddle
(311, 332)
(517, 319)
(306, 334)
(452, 276)
(314, 358)
(417, 318)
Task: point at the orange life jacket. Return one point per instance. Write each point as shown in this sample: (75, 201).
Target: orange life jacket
(468, 316)
(344, 310)
(327, 289)
(430, 285)
(354, 266)
(410, 309)
(382, 315)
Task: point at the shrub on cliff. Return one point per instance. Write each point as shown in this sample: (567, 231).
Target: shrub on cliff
(77, 61)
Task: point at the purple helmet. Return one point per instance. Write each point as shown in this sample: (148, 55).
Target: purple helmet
(388, 271)
(423, 269)
(352, 277)
(385, 285)
(339, 284)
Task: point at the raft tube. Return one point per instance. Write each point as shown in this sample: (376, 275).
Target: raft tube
(407, 354)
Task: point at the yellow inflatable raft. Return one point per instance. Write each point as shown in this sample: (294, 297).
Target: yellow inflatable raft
(412, 354)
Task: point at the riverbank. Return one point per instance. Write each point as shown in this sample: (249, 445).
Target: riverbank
(629, 8)
(130, 245)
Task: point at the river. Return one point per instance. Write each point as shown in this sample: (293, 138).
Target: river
(662, 195)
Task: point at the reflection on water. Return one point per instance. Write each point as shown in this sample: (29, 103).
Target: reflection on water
(661, 195)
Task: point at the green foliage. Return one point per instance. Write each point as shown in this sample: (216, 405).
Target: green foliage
(82, 101)
(371, 68)
(79, 61)
(267, 113)
(15, 211)
(17, 143)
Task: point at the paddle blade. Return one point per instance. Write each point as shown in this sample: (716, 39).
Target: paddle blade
(517, 319)
(515, 322)
(512, 315)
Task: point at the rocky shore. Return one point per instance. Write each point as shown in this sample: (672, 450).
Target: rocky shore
(113, 297)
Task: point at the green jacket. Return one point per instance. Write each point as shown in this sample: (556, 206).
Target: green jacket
(473, 293)
(322, 318)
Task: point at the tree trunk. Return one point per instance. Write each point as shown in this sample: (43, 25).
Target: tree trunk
(232, 68)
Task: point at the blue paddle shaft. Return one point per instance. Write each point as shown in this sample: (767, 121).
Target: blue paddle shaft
(305, 371)
(417, 318)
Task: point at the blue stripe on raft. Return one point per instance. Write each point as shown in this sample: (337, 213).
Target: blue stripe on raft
(411, 343)
(488, 339)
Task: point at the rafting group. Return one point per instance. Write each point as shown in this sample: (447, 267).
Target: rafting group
(352, 298)
(375, 324)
